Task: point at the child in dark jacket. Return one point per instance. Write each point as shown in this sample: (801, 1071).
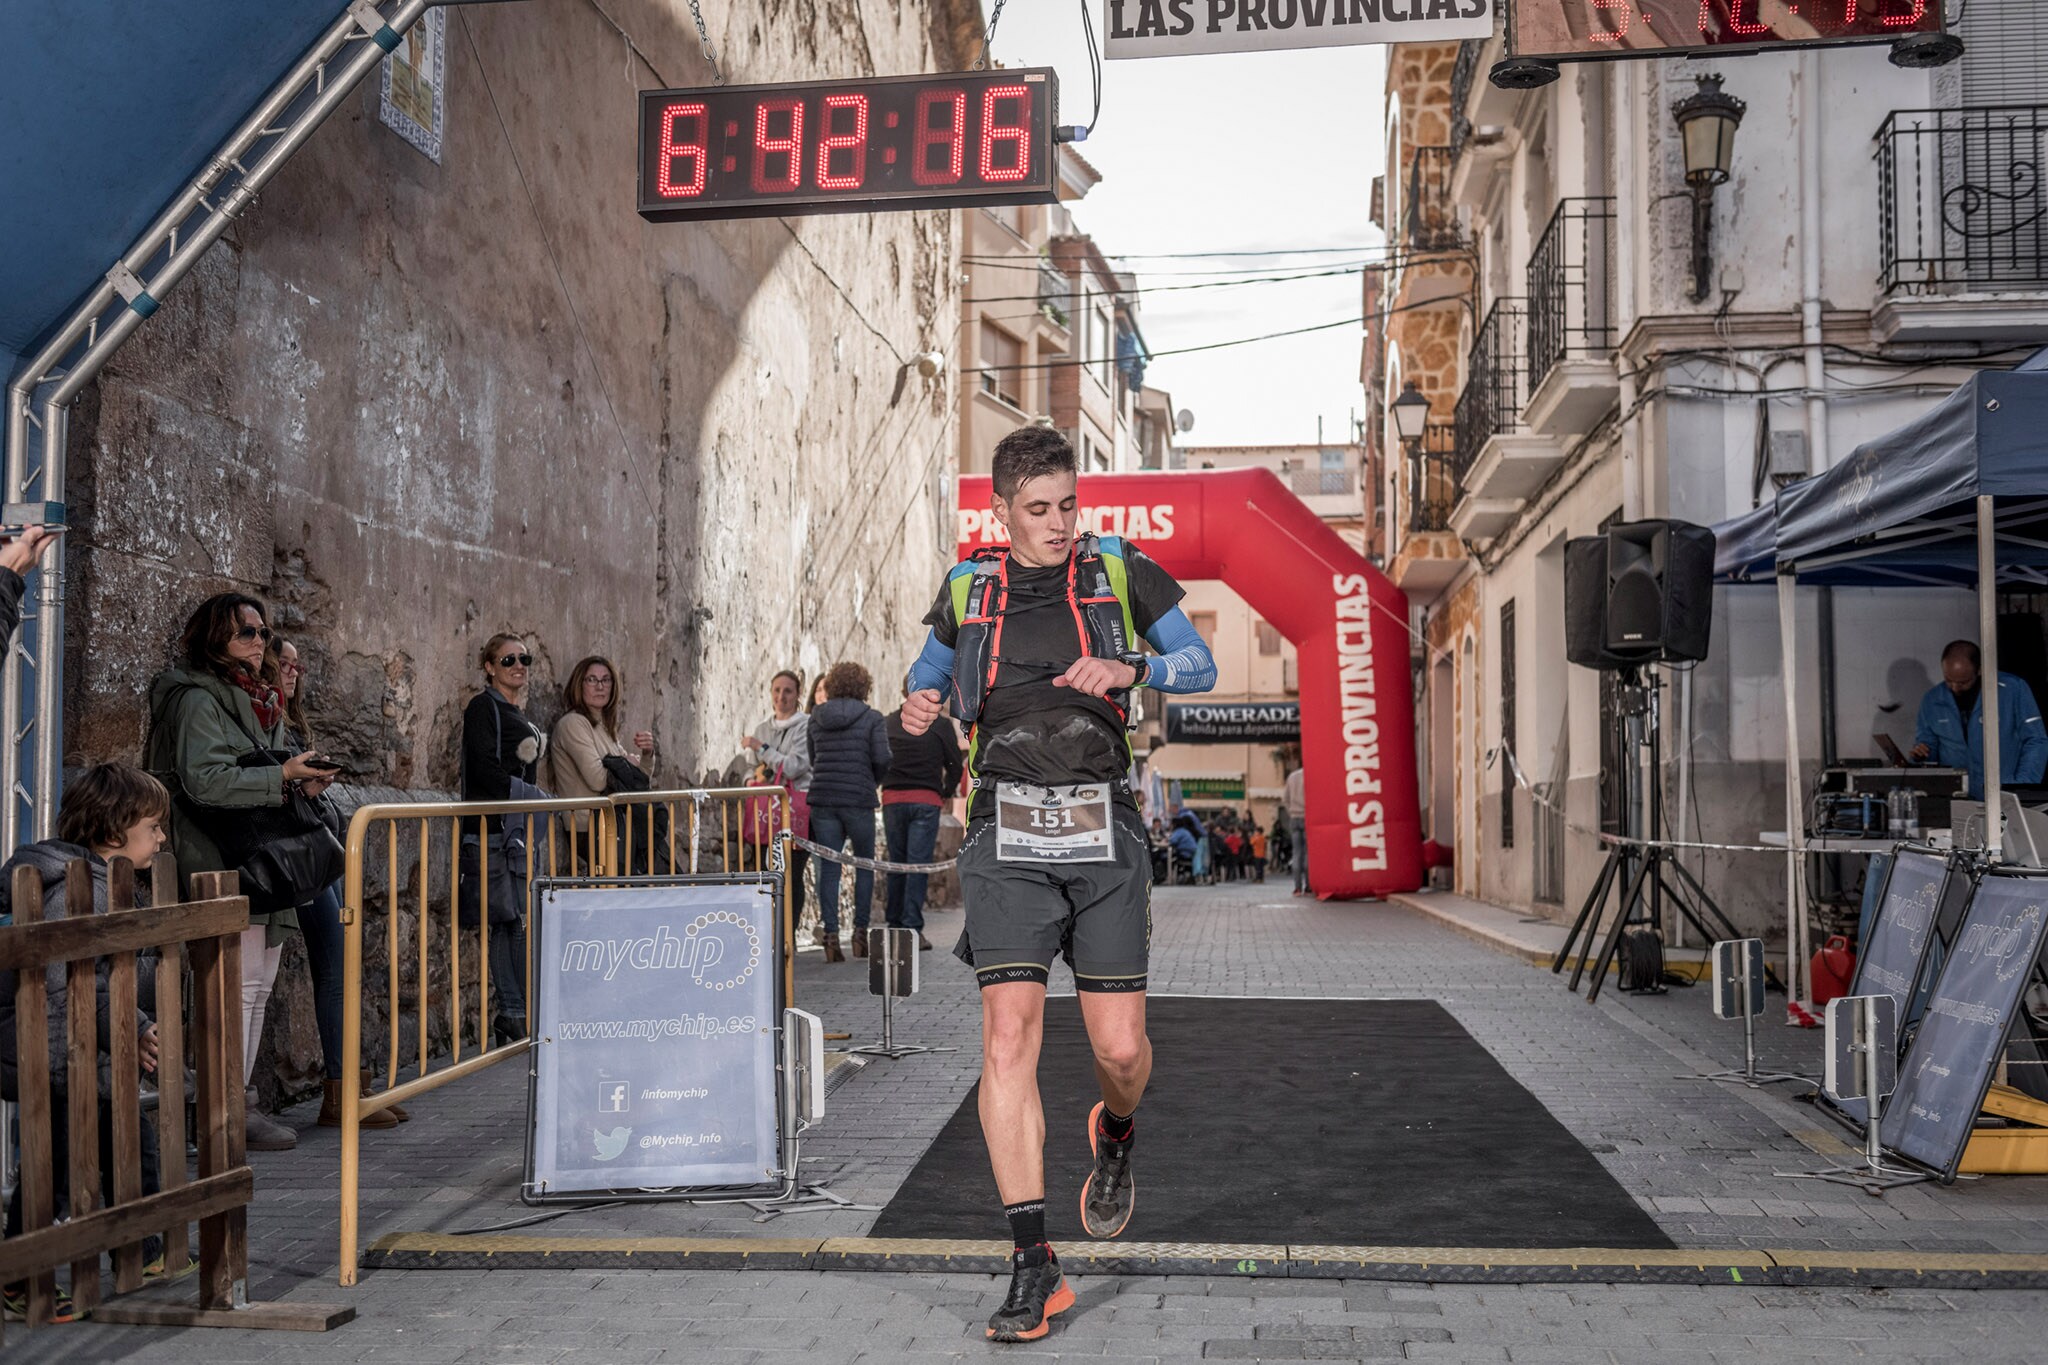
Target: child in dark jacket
(112, 810)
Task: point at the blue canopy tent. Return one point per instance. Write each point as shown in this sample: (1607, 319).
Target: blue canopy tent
(136, 132)
(1956, 498)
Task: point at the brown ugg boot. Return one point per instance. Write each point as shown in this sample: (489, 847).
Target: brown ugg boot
(369, 1079)
(330, 1110)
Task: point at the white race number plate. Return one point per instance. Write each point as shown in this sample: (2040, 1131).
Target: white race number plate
(1054, 824)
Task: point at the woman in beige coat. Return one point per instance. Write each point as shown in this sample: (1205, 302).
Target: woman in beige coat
(586, 735)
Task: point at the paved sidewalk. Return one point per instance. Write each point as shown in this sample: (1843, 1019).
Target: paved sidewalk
(1698, 1156)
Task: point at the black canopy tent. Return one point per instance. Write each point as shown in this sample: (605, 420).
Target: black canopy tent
(1956, 498)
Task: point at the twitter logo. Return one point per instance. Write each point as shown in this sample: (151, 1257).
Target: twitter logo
(609, 1145)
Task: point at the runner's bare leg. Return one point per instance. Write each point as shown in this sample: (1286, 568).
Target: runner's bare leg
(1123, 1054)
(1012, 1118)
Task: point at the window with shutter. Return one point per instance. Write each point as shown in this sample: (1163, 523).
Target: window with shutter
(2005, 52)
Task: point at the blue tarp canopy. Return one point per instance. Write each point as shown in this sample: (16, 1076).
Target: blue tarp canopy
(109, 108)
(1901, 510)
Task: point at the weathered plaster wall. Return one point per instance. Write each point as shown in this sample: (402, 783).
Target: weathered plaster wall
(412, 404)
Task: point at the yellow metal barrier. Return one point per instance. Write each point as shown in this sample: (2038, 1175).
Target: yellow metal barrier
(422, 826)
(622, 831)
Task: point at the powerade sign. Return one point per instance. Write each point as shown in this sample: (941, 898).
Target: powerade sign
(1232, 722)
(654, 1064)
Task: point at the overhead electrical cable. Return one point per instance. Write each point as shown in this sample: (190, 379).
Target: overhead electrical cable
(1359, 322)
(1334, 272)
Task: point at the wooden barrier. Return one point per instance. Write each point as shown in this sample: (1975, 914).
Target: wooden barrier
(207, 931)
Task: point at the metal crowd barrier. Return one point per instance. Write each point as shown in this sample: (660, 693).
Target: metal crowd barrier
(624, 838)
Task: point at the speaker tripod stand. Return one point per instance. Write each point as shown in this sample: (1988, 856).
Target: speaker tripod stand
(1643, 873)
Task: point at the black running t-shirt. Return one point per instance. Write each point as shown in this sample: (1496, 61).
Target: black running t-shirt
(1030, 730)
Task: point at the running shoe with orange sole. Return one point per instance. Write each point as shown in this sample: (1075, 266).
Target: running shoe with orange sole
(1037, 1294)
(1109, 1194)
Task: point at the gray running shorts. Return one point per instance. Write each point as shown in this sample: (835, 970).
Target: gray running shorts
(1022, 915)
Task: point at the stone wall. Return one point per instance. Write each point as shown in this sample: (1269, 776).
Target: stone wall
(413, 404)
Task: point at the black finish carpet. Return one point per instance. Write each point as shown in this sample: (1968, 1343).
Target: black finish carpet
(1346, 1122)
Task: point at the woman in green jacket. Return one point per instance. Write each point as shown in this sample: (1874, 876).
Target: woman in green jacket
(206, 712)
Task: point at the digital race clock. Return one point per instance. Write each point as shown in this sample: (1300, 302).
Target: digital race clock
(868, 146)
(1578, 29)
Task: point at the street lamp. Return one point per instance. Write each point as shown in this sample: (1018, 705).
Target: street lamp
(1411, 422)
(1411, 413)
(1707, 120)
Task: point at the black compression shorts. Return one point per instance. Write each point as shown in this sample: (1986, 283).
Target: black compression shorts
(1021, 915)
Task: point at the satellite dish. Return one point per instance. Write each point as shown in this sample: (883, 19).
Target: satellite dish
(1184, 420)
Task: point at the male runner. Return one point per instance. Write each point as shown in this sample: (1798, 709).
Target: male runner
(1037, 647)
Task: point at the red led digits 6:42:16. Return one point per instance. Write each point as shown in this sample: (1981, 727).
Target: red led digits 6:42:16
(907, 142)
(1717, 23)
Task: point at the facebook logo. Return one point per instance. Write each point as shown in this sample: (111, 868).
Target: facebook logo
(612, 1096)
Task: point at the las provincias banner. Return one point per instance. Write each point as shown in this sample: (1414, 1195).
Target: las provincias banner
(1349, 625)
(1184, 28)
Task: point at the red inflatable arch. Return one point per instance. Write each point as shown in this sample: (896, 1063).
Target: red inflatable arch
(1347, 621)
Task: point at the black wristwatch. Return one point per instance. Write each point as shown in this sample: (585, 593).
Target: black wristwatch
(1134, 660)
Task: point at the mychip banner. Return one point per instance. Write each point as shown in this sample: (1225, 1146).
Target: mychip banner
(1184, 28)
(654, 1027)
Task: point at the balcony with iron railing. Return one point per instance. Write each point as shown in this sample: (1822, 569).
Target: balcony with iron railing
(1499, 460)
(1572, 330)
(1428, 555)
(1055, 295)
(1464, 72)
(1963, 224)
(1496, 380)
(1431, 220)
(1433, 479)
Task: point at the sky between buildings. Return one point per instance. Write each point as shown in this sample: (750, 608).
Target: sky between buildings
(1248, 152)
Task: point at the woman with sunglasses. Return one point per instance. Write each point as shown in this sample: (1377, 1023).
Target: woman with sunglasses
(501, 754)
(588, 734)
(209, 715)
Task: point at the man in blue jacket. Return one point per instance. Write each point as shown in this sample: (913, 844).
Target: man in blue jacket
(1950, 729)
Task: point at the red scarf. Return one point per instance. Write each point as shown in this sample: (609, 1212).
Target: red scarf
(262, 698)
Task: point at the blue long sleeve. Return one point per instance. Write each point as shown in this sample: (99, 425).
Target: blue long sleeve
(2030, 760)
(1183, 663)
(933, 667)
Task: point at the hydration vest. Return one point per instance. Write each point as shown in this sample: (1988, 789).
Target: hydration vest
(1098, 593)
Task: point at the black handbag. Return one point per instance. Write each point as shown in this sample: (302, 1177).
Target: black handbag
(505, 861)
(624, 775)
(285, 855)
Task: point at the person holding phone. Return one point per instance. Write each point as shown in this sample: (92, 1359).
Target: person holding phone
(320, 922)
(18, 555)
(217, 728)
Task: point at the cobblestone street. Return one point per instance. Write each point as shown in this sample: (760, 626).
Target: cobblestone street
(1618, 1073)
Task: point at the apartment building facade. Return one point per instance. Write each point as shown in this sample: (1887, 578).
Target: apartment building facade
(1050, 333)
(1588, 357)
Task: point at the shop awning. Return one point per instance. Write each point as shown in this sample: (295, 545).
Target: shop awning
(109, 108)
(1901, 509)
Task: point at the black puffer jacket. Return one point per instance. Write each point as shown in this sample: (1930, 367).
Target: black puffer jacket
(50, 857)
(849, 754)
